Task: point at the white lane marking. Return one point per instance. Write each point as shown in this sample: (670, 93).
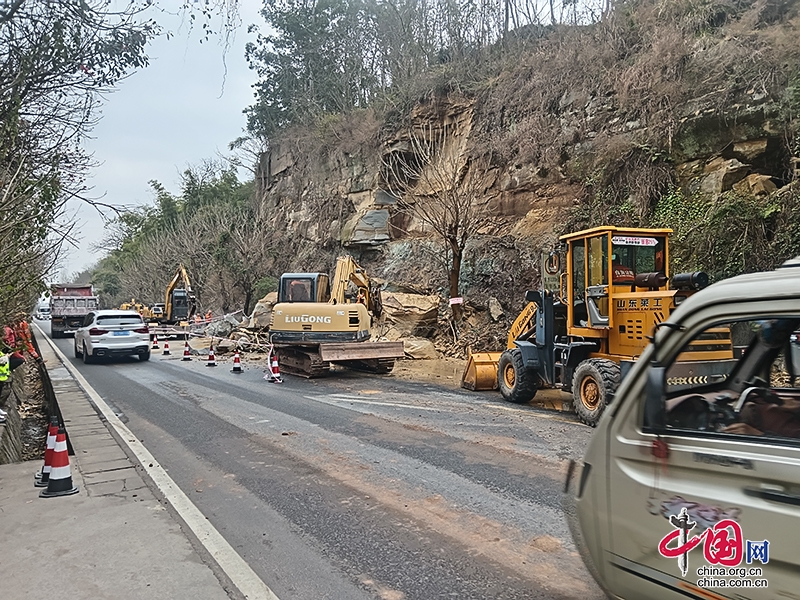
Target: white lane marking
(338, 400)
(234, 566)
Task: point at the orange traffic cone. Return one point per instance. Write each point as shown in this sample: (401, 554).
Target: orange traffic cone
(42, 478)
(166, 348)
(276, 372)
(237, 363)
(212, 361)
(155, 342)
(60, 482)
(186, 354)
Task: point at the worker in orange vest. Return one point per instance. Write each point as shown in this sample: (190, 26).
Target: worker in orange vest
(209, 316)
(23, 333)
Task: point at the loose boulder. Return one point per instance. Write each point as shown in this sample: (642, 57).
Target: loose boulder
(495, 309)
(419, 348)
(262, 313)
(409, 315)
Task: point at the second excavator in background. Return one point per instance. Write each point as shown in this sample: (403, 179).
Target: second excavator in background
(180, 303)
(317, 322)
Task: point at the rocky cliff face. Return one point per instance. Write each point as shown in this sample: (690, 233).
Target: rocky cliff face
(613, 164)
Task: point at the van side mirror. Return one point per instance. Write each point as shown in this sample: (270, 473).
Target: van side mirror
(654, 406)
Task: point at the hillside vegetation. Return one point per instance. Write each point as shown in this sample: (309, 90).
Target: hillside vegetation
(655, 113)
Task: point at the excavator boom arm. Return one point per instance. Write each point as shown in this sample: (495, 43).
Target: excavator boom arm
(348, 272)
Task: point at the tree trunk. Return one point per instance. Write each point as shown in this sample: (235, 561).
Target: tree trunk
(454, 276)
(248, 298)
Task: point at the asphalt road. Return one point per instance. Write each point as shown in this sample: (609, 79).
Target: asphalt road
(358, 486)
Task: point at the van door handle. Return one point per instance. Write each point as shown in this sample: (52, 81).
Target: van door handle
(773, 495)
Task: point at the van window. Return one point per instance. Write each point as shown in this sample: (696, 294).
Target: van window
(753, 392)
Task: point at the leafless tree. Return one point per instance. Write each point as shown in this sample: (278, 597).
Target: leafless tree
(430, 171)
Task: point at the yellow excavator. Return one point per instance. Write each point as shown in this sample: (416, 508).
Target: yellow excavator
(142, 309)
(180, 304)
(317, 322)
(133, 305)
(582, 337)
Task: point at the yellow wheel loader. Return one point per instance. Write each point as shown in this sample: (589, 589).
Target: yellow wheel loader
(315, 323)
(614, 291)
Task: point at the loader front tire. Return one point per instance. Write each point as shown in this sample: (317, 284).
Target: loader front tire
(593, 386)
(517, 384)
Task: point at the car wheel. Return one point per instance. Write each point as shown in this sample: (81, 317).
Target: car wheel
(87, 358)
(593, 386)
(517, 384)
(145, 356)
(78, 353)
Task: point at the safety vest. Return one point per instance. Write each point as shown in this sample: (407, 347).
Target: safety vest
(5, 368)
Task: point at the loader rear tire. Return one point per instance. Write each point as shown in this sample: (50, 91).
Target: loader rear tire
(517, 384)
(593, 386)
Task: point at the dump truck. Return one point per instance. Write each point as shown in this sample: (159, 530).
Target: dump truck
(69, 305)
(614, 289)
(315, 324)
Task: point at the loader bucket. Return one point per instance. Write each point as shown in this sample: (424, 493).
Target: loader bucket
(481, 371)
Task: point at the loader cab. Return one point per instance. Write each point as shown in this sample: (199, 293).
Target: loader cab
(304, 287)
(607, 266)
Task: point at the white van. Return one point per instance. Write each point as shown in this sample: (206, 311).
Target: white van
(42, 313)
(690, 486)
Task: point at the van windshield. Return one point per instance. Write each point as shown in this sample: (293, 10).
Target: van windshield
(752, 391)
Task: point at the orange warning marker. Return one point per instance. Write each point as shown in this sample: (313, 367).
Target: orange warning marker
(155, 345)
(212, 361)
(187, 355)
(276, 371)
(43, 477)
(60, 482)
(237, 363)
(166, 348)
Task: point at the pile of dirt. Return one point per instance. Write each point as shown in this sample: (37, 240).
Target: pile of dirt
(476, 332)
(443, 371)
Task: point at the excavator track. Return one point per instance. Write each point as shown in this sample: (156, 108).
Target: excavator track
(302, 362)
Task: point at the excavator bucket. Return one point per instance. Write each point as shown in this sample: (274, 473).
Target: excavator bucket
(481, 371)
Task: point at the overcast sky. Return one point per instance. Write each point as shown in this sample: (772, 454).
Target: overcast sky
(171, 115)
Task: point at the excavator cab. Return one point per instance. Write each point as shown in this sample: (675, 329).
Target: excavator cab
(181, 302)
(304, 287)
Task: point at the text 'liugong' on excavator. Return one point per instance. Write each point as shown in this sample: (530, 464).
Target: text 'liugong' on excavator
(583, 333)
(317, 322)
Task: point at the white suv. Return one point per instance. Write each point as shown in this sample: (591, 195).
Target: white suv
(112, 333)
